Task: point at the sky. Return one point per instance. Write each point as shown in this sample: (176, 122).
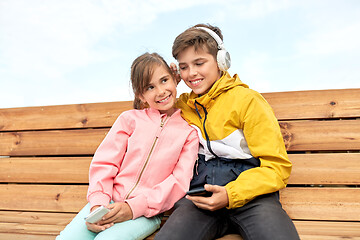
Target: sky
(55, 52)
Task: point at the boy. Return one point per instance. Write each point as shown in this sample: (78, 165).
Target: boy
(242, 158)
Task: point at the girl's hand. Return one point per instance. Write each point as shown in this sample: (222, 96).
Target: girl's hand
(120, 212)
(176, 72)
(218, 200)
(96, 227)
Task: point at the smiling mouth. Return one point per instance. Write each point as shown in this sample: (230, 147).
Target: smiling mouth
(164, 100)
(195, 82)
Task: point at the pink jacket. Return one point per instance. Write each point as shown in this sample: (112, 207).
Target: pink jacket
(146, 160)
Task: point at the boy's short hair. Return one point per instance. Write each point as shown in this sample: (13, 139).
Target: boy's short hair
(197, 38)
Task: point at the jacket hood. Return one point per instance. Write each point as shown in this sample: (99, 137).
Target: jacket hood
(223, 84)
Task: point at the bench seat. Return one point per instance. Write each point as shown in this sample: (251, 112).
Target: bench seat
(45, 154)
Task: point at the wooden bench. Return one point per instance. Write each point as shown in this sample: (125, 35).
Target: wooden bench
(46, 151)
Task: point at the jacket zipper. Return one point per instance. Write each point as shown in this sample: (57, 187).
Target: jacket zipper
(148, 157)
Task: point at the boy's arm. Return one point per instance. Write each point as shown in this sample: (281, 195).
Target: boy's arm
(264, 139)
(163, 196)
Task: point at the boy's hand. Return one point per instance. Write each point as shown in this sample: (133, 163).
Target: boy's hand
(218, 200)
(120, 212)
(176, 72)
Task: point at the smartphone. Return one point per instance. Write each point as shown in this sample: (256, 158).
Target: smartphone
(199, 192)
(97, 214)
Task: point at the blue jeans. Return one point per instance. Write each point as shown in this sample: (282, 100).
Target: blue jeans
(137, 229)
(261, 219)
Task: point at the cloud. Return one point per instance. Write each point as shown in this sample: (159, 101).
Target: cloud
(332, 41)
(50, 38)
(251, 9)
(42, 43)
(255, 71)
(47, 39)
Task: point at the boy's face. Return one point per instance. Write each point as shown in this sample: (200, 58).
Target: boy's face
(198, 69)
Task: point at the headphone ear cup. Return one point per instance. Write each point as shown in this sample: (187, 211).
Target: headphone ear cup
(223, 59)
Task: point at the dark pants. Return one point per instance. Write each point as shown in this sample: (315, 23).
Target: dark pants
(261, 219)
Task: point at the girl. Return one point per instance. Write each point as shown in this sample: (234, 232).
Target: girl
(144, 164)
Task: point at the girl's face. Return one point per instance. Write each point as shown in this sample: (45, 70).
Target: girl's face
(198, 69)
(160, 94)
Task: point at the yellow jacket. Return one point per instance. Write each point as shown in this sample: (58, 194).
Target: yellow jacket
(239, 124)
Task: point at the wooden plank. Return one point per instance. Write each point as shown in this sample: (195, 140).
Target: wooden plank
(41, 224)
(321, 135)
(45, 170)
(322, 203)
(300, 203)
(62, 116)
(48, 198)
(31, 229)
(49, 218)
(53, 223)
(19, 236)
(317, 104)
(298, 136)
(340, 103)
(57, 142)
(327, 230)
(334, 168)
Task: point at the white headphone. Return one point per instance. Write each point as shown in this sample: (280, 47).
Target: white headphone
(223, 56)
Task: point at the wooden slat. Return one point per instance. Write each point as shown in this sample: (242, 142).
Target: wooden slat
(287, 105)
(321, 135)
(19, 236)
(334, 168)
(49, 218)
(50, 198)
(322, 203)
(45, 170)
(58, 142)
(31, 228)
(318, 104)
(327, 230)
(298, 136)
(13, 223)
(53, 223)
(62, 116)
(300, 203)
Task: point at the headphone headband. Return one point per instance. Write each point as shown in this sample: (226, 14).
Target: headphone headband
(214, 36)
(222, 57)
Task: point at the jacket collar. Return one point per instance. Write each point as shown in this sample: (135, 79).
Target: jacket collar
(223, 84)
(156, 113)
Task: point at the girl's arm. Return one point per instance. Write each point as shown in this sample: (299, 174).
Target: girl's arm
(106, 163)
(163, 196)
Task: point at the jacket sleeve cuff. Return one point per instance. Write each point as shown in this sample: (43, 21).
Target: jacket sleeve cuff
(98, 198)
(139, 206)
(232, 195)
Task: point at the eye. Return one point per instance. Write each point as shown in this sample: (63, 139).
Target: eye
(199, 63)
(148, 88)
(182, 67)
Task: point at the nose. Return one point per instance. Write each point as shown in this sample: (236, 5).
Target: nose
(161, 90)
(192, 71)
